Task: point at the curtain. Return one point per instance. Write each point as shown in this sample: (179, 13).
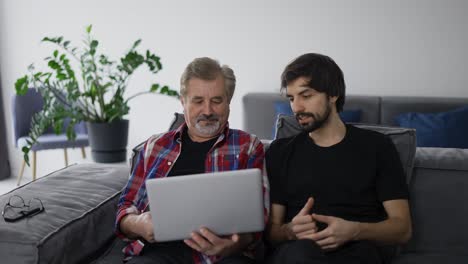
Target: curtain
(4, 160)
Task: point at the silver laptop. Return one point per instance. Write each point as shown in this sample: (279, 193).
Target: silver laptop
(225, 202)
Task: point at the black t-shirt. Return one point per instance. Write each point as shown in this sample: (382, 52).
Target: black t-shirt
(192, 156)
(349, 180)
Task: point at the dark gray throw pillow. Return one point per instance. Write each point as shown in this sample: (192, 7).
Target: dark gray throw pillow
(403, 138)
(177, 121)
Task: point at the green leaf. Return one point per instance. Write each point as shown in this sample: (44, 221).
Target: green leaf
(22, 85)
(164, 90)
(66, 43)
(94, 44)
(26, 156)
(56, 53)
(70, 132)
(173, 93)
(153, 62)
(154, 88)
(93, 91)
(105, 86)
(88, 28)
(61, 76)
(92, 47)
(136, 44)
(58, 127)
(53, 65)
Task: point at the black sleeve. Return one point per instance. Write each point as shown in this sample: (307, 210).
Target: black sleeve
(274, 167)
(391, 179)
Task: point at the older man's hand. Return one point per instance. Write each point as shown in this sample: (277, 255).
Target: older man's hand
(143, 226)
(210, 244)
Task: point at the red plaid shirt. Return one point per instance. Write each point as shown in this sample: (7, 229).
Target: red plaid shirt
(233, 150)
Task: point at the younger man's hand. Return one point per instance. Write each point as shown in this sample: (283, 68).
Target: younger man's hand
(338, 232)
(302, 225)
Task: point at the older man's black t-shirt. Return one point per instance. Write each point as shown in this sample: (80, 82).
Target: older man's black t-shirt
(192, 156)
(349, 180)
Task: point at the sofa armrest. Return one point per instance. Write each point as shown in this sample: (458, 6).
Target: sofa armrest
(438, 194)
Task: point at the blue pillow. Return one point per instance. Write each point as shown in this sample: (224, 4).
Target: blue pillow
(348, 116)
(351, 116)
(444, 130)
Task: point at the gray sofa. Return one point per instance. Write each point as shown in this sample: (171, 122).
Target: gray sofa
(438, 180)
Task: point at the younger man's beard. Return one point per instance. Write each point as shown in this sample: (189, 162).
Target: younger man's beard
(317, 122)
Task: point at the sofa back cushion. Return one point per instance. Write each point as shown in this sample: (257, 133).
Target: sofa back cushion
(79, 202)
(176, 122)
(259, 112)
(438, 195)
(284, 108)
(403, 138)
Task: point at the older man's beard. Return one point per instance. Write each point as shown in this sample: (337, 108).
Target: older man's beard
(317, 122)
(211, 127)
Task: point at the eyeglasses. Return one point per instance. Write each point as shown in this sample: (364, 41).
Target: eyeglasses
(16, 209)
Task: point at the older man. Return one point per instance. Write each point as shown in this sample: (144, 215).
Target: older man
(202, 144)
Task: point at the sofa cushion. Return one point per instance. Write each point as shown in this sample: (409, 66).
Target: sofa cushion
(259, 111)
(403, 138)
(392, 106)
(284, 108)
(348, 116)
(80, 202)
(176, 122)
(444, 130)
(430, 258)
(439, 193)
(351, 116)
(266, 144)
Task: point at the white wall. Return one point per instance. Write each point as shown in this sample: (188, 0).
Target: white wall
(384, 47)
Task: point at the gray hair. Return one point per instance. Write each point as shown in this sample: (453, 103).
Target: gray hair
(208, 69)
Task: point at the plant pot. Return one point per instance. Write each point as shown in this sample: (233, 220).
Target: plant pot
(108, 141)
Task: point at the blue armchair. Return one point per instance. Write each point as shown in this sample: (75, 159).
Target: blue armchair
(24, 107)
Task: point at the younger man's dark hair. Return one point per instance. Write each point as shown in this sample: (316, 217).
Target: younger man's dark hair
(322, 73)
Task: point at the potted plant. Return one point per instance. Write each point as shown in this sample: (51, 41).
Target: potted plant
(95, 94)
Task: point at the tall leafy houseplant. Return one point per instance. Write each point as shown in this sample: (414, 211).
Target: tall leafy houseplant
(94, 94)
